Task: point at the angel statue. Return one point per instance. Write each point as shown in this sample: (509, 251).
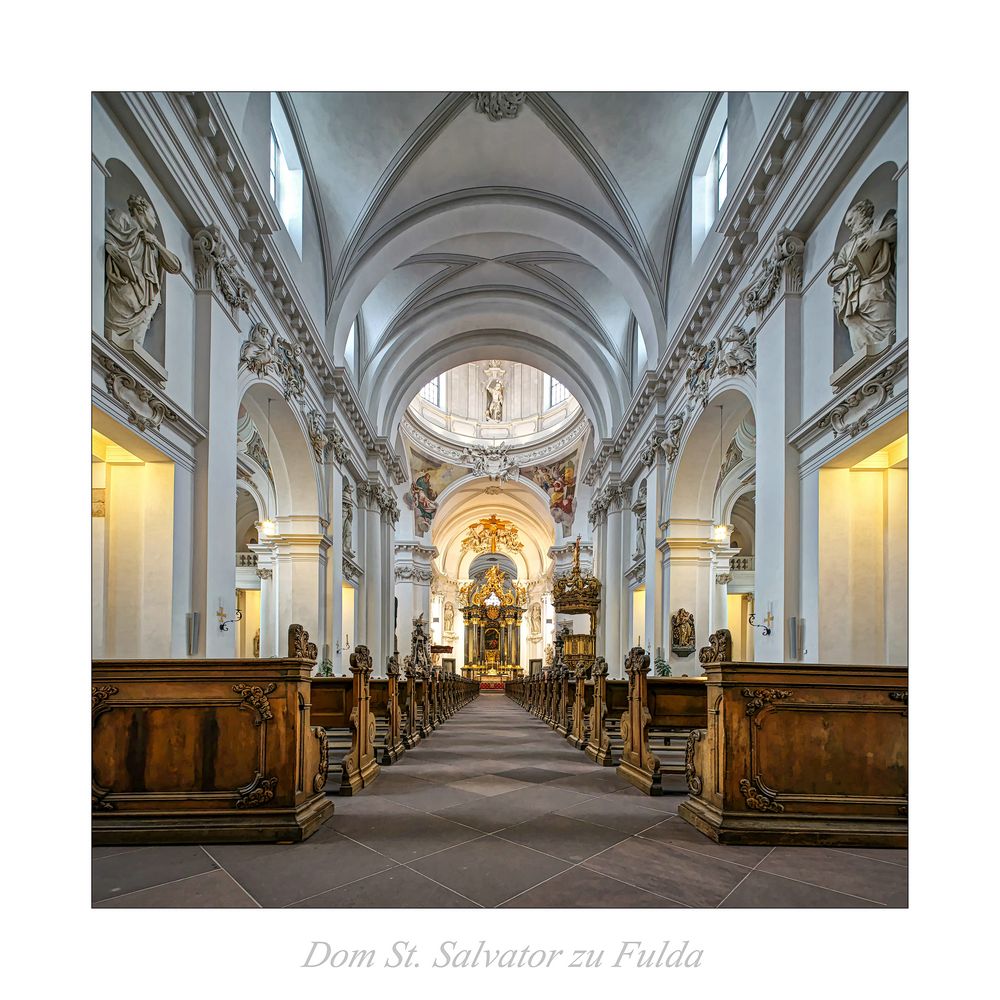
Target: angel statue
(864, 276)
(134, 262)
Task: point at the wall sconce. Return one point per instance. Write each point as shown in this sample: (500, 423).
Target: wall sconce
(346, 646)
(267, 527)
(766, 627)
(224, 622)
(719, 532)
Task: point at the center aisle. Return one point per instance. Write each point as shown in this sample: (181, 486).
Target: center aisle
(495, 808)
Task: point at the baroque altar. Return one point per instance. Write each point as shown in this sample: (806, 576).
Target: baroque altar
(492, 614)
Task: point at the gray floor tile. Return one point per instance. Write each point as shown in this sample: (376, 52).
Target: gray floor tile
(213, 889)
(761, 890)
(569, 839)
(615, 811)
(277, 875)
(536, 775)
(397, 887)
(121, 873)
(580, 887)
(488, 784)
(675, 832)
(688, 878)
(833, 869)
(489, 871)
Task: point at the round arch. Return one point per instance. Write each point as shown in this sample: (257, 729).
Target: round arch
(297, 481)
(691, 490)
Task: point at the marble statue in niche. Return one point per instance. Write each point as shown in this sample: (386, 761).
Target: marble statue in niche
(348, 514)
(536, 619)
(682, 636)
(449, 618)
(639, 509)
(134, 262)
(864, 277)
(494, 391)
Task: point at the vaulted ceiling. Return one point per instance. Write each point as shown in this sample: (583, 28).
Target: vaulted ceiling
(451, 235)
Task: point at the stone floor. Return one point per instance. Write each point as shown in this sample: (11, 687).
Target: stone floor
(495, 809)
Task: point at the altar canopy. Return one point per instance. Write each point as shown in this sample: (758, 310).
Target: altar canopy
(492, 613)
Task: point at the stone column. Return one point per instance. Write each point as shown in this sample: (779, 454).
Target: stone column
(778, 412)
(688, 560)
(614, 608)
(269, 638)
(654, 625)
(217, 355)
(301, 547)
(412, 575)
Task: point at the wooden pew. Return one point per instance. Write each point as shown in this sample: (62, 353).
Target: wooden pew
(343, 706)
(385, 706)
(801, 753)
(205, 751)
(564, 704)
(598, 747)
(662, 704)
(583, 701)
(412, 734)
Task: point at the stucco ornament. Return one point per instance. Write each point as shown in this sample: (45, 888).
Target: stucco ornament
(491, 460)
(864, 277)
(499, 104)
(738, 351)
(134, 262)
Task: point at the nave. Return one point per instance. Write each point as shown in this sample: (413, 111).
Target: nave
(497, 810)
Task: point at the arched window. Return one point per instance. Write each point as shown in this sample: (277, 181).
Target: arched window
(553, 392)
(433, 392)
(285, 172)
(710, 178)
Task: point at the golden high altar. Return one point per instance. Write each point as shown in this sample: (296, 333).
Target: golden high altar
(492, 613)
(577, 593)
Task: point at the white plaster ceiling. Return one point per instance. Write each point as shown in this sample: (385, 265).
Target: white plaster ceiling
(563, 211)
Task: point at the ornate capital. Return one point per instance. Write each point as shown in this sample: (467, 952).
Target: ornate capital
(785, 259)
(213, 260)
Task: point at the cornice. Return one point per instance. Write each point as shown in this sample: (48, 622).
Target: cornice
(847, 414)
(123, 379)
(425, 440)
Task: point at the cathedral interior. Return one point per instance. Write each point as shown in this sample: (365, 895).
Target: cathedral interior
(499, 499)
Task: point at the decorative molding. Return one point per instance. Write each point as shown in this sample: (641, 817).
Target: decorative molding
(407, 571)
(723, 579)
(299, 646)
(609, 498)
(265, 574)
(878, 389)
(761, 697)
(213, 259)
(491, 460)
(324, 758)
(99, 693)
(690, 774)
(144, 409)
(757, 799)
(784, 260)
(258, 792)
(499, 104)
(254, 696)
(436, 447)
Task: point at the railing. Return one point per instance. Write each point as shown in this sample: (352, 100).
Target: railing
(246, 560)
(738, 563)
